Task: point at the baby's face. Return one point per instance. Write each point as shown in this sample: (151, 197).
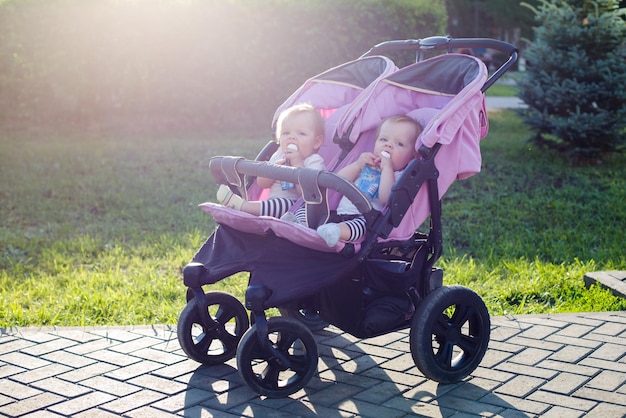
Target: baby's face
(298, 135)
(398, 140)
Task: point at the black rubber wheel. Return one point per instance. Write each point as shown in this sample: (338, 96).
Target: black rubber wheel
(291, 365)
(214, 342)
(449, 334)
(310, 318)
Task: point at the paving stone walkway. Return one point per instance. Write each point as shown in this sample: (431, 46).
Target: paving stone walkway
(565, 365)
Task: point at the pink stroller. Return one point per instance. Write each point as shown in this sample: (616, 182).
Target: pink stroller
(383, 283)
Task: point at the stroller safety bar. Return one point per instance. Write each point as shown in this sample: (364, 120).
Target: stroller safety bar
(314, 183)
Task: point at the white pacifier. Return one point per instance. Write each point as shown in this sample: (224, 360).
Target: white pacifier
(385, 154)
(292, 147)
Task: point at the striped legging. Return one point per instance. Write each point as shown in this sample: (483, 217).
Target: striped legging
(276, 206)
(357, 227)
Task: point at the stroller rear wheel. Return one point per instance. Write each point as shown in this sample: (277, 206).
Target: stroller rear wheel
(284, 365)
(449, 334)
(210, 333)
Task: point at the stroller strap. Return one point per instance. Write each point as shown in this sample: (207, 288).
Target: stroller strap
(314, 196)
(311, 192)
(229, 168)
(224, 170)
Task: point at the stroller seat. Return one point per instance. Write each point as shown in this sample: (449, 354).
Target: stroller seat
(457, 123)
(297, 233)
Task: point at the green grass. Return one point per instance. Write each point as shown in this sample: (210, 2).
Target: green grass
(525, 231)
(502, 90)
(505, 86)
(95, 229)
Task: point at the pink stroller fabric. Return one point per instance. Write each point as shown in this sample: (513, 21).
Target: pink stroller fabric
(334, 92)
(443, 93)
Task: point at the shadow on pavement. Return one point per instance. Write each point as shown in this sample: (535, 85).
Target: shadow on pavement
(349, 381)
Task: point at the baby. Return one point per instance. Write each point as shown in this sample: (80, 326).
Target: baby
(374, 173)
(300, 134)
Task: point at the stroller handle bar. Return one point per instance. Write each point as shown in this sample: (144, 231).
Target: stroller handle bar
(437, 43)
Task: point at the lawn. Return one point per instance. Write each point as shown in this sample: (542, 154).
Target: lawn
(95, 228)
(502, 90)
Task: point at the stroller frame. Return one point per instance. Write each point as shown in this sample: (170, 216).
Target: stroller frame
(276, 357)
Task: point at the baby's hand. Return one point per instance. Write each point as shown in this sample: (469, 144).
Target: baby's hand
(368, 158)
(385, 160)
(295, 159)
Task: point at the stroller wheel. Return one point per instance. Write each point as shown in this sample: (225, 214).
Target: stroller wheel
(210, 334)
(310, 318)
(284, 365)
(449, 334)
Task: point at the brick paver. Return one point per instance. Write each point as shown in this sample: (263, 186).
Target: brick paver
(566, 365)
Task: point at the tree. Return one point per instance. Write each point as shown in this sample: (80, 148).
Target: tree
(501, 19)
(575, 85)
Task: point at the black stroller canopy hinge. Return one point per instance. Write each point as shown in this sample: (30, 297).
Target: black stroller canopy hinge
(345, 144)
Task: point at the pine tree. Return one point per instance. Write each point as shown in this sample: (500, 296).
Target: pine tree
(575, 84)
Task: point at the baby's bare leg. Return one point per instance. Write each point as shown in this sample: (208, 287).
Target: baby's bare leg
(253, 208)
(344, 232)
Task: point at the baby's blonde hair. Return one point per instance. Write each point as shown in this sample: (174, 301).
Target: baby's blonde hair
(402, 119)
(318, 120)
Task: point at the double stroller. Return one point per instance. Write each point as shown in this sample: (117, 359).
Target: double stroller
(384, 282)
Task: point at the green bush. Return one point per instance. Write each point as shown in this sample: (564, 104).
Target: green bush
(576, 80)
(171, 65)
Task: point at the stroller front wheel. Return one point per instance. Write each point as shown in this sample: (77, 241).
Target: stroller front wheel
(449, 334)
(210, 333)
(282, 367)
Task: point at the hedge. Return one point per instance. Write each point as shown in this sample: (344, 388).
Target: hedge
(173, 65)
